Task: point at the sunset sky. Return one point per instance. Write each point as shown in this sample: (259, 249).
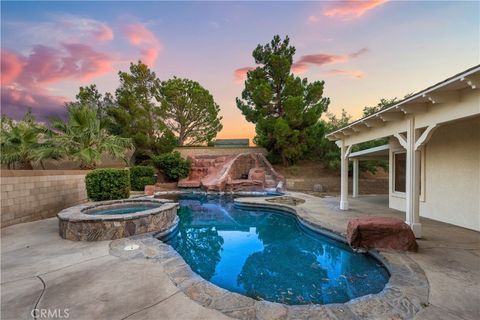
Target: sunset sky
(363, 50)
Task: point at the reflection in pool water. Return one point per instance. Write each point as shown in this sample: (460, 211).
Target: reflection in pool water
(269, 255)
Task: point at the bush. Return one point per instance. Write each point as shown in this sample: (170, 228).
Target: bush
(140, 176)
(108, 184)
(172, 165)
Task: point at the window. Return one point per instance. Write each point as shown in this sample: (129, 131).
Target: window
(399, 173)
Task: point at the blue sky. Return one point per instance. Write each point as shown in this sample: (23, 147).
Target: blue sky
(363, 50)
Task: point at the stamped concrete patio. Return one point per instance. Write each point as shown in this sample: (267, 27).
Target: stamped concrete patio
(42, 271)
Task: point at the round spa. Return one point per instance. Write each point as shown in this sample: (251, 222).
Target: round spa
(108, 220)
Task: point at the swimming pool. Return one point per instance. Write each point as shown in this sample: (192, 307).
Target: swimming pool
(269, 255)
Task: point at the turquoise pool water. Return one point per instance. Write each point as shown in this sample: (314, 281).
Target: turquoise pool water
(268, 255)
(122, 210)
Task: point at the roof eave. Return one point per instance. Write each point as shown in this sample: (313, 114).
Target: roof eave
(422, 97)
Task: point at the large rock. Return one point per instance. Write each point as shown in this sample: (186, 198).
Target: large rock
(380, 233)
(149, 190)
(256, 174)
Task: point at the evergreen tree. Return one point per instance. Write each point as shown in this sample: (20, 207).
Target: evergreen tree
(189, 111)
(282, 106)
(137, 113)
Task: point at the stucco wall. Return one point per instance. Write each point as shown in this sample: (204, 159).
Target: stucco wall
(217, 151)
(450, 175)
(28, 195)
(452, 185)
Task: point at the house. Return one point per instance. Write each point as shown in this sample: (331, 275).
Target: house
(232, 143)
(433, 152)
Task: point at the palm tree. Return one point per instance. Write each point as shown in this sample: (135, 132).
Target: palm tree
(25, 143)
(84, 137)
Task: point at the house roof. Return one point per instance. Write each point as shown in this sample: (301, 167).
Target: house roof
(375, 153)
(469, 77)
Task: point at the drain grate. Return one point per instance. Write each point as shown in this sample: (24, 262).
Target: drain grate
(131, 247)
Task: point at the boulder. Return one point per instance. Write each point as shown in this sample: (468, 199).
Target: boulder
(256, 174)
(380, 233)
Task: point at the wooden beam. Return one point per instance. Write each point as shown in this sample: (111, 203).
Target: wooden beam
(402, 140)
(373, 122)
(443, 97)
(413, 108)
(348, 131)
(425, 136)
(359, 127)
(347, 152)
(474, 83)
(391, 116)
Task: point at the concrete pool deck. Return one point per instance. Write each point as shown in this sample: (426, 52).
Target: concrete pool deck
(40, 270)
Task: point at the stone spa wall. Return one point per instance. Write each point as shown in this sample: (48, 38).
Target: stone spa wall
(29, 195)
(80, 223)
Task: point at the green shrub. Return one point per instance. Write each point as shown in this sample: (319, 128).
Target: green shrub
(172, 165)
(108, 184)
(140, 176)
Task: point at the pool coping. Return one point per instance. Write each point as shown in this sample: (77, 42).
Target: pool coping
(404, 295)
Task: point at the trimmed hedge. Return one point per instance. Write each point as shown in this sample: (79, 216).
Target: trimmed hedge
(140, 176)
(108, 184)
(172, 165)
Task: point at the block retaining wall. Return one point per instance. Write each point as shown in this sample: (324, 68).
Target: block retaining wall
(331, 185)
(29, 195)
(217, 151)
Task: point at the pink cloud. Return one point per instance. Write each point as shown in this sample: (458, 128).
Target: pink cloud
(321, 59)
(359, 53)
(65, 28)
(140, 36)
(88, 28)
(149, 56)
(241, 74)
(352, 8)
(11, 66)
(24, 83)
(104, 33)
(302, 65)
(356, 74)
(313, 19)
(15, 103)
(299, 67)
(74, 61)
(71, 54)
(86, 63)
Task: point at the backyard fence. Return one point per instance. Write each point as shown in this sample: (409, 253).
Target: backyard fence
(29, 195)
(218, 151)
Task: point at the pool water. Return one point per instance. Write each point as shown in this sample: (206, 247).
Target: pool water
(268, 255)
(121, 210)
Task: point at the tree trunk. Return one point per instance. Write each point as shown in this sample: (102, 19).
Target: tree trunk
(284, 161)
(181, 137)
